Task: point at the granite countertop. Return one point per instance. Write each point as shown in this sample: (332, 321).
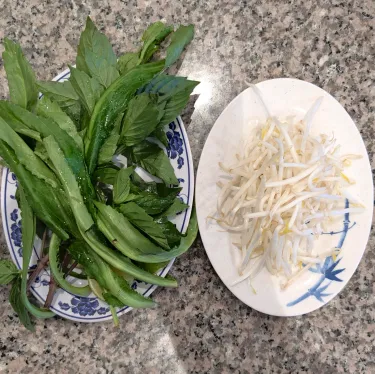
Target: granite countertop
(201, 327)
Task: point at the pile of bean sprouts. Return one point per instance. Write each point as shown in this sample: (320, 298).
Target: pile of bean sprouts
(283, 191)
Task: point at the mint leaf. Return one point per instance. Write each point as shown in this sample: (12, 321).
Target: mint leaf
(152, 37)
(106, 174)
(127, 61)
(171, 233)
(58, 91)
(18, 305)
(159, 134)
(139, 218)
(87, 88)
(8, 271)
(95, 55)
(140, 120)
(21, 78)
(121, 187)
(179, 40)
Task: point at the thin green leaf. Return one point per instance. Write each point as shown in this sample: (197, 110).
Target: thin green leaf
(127, 62)
(95, 55)
(58, 91)
(21, 78)
(8, 271)
(152, 37)
(170, 231)
(87, 88)
(25, 155)
(49, 109)
(179, 40)
(28, 236)
(69, 182)
(17, 125)
(121, 188)
(15, 300)
(47, 202)
(140, 120)
(139, 218)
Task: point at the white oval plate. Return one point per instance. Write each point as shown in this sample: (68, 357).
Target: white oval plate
(285, 97)
(91, 309)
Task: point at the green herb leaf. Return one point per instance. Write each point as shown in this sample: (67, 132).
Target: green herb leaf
(139, 218)
(111, 104)
(49, 204)
(159, 134)
(140, 120)
(95, 55)
(17, 125)
(179, 40)
(173, 93)
(21, 78)
(25, 155)
(87, 88)
(121, 188)
(108, 149)
(152, 37)
(177, 207)
(15, 300)
(8, 271)
(49, 109)
(69, 182)
(106, 174)
(152, 203)
(127, 62)
(170, 231)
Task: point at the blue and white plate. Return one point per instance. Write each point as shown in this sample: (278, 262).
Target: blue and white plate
(91, 309)
(285, 97)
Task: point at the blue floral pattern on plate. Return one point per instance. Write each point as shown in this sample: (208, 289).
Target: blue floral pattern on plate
(328, 270)
(84, 306)
(175, 145)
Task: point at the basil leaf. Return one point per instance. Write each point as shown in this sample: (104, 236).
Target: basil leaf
(159, 165)
(139, 218)
(177, 207)
(18, 305)
(95, 55)
(152, 203)
(25, 155)
(8, 271)
(140, 120)
(106, 174)
(127, 61)
(49, 109)
(152, 37)
(121, 188)
(87, 88)
(171, 233)
(112, 103)
(159, 134)
(179, 40)
(108, 149)
(21, 78)
(177, 103)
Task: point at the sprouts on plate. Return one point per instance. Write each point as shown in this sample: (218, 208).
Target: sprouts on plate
(284, 190)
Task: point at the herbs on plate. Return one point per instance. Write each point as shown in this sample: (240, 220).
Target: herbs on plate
(98, 220)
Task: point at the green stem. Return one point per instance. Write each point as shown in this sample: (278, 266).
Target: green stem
(116, 322)
(59, 276)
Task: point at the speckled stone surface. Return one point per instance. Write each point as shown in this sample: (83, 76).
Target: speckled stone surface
(201, 327)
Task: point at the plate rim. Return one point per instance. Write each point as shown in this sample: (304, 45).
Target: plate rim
(163, 273)
(201, 224)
